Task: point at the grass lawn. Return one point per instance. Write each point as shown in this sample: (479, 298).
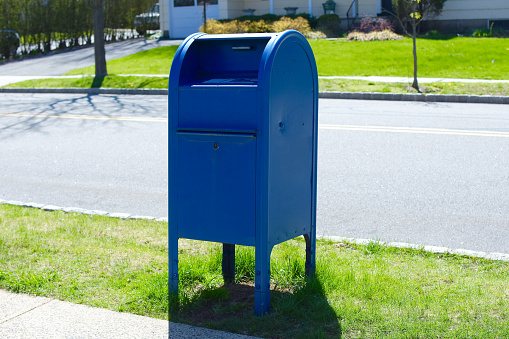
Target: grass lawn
(464, 58)
(113, 81)
(329, 85)
(153, 61)
(359, 291)
(339, 85)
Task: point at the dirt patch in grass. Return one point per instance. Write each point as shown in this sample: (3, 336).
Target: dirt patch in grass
(231, 307)
(227, 301)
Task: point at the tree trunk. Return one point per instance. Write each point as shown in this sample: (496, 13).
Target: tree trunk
(414, 36)
(100, 53)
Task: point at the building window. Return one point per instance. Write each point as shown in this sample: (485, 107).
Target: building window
(183, 3)
(209, 2)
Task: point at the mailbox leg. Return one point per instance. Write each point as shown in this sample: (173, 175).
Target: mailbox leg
(229, 263)
(310, 253)
(262, 280)
(173, 265)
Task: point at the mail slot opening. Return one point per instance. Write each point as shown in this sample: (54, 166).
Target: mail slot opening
(222, 62)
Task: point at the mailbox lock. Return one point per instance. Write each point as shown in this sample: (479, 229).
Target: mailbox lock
(216, 146)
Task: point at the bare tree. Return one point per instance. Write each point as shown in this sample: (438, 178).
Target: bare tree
(411, 13)
(100, 53)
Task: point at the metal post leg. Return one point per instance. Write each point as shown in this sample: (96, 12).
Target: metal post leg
(262, 280)
(310, 253)
(229, 263)
(173, 265)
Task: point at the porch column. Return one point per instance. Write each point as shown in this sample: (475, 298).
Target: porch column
(170, 19)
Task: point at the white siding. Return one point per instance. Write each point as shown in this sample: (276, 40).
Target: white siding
(279, 6)
(367, 8)
(164, 16)
(453, 9)
(475, 9)
(261, 7)
(229, 9)
(182, 21)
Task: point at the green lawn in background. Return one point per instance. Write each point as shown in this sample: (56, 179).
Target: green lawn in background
(360, 291)
(153, 61)
(113, 81)
(464, 58)
(456, 88)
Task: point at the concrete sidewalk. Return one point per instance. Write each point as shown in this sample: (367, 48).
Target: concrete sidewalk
(61, 62)
(23, 316)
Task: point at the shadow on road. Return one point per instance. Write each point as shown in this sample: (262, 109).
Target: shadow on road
(38, 113)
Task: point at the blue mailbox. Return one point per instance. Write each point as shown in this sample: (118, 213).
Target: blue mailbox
(243, 117)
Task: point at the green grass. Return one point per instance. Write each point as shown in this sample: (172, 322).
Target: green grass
(154, 61)
(464, 58)
(486, 58)
(113, 81)
(329, 85)
(339, 85)
(370, 291)
(94, 260)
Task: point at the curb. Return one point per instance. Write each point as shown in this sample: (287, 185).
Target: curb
(426, 248)
(472, 99)
(89, 91)
(51, 208)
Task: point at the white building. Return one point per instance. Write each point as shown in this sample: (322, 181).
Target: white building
(179, 18)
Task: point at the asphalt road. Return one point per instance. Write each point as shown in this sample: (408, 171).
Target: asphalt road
(82, 156)
(59, 63)
(430, 174)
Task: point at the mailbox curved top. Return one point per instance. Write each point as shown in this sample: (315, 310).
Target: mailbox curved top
(247, 56)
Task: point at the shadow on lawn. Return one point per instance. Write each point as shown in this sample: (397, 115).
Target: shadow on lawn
(97, 83)
(302, 313)
(437, 36)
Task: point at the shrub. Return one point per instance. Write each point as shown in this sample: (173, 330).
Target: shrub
(497, 32)
(47, 24)
(259, 27)
(484, 32)
(299, 24)
(230, 27)
(315, 35)
(432, 33)
(372, 36)
(270, 18)
(370, 24)
(330, 24)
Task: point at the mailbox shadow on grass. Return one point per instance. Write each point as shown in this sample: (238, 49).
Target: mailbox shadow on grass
(302, 313)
